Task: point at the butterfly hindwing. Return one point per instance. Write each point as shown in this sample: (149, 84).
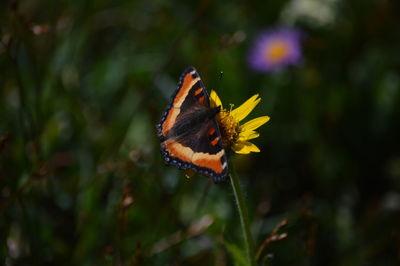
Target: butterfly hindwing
(202, 152)
(209, 155)
(188, 138)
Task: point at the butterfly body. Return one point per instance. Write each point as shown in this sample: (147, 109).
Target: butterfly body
(189, 134)
(194, 122)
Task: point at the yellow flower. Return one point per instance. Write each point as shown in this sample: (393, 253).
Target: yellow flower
(235, 135)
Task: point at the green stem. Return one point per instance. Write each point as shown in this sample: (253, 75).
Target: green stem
(243, 213)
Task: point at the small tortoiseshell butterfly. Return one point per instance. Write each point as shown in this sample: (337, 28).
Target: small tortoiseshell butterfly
(190, 136)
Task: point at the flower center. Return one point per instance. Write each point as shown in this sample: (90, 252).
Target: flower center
(229, 128)
(276, 51)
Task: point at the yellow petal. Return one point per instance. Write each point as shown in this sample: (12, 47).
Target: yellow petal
(245, 109)
(245, 147)
(247, 135)
(215, 100)
(254, 123)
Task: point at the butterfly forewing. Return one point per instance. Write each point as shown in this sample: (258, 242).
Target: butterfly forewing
(190, 93)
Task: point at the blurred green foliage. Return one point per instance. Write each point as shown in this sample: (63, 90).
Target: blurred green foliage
(83, 83)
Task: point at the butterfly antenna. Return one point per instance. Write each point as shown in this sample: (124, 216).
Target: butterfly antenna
(221, 73)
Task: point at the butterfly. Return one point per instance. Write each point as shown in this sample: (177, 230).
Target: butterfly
(189, 134)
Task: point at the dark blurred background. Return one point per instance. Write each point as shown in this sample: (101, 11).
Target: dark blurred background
(82, 180)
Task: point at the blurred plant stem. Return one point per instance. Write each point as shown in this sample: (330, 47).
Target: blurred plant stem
(243, 213)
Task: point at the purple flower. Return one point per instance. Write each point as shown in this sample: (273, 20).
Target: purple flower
(276, 49)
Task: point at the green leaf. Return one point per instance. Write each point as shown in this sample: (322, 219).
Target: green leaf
(238, 254)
